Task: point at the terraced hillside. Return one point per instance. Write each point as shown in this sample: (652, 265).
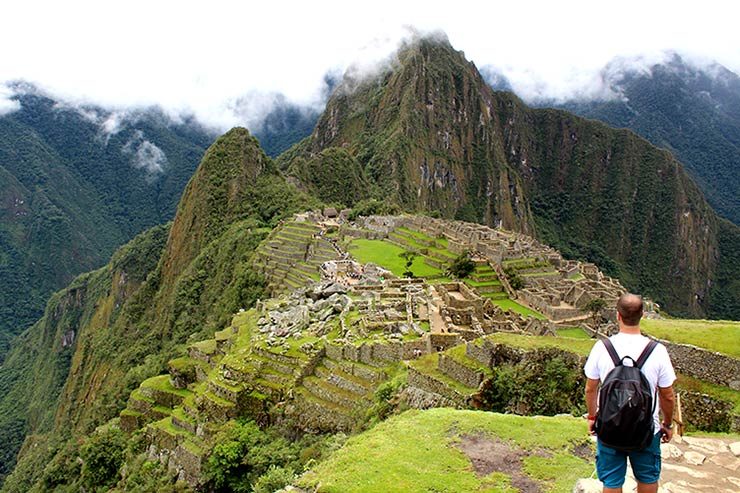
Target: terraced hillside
(327, 355)
(293, 254)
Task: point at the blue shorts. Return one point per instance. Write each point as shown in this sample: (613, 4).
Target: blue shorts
(611, 465)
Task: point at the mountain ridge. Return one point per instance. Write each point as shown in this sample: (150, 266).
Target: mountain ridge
(433, 136)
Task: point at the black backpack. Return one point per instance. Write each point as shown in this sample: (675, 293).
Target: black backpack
(626, 403)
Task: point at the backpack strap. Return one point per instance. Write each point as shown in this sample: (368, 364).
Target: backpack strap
(612, 352)
(646, 353)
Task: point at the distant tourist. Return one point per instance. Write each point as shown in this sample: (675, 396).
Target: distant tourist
(633, 372)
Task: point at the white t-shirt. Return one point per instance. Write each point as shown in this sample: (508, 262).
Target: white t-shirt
(658, 368)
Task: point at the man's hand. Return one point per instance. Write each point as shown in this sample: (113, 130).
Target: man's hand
(592, 391)
(666, 433)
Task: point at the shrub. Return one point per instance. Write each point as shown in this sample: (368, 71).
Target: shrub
(274, 479)
(462, 266)
(102, 456)
(545, 381)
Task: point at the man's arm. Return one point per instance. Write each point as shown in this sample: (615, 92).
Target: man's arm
(667, 402)
(592, 392)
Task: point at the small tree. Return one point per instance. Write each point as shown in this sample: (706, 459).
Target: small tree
(595, 306)
(462, 266)
(409, 257)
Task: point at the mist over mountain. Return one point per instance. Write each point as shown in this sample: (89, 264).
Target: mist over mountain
(76, 182)
(429, 134)
(691, 109)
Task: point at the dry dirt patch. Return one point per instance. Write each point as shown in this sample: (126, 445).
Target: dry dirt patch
(488, 455)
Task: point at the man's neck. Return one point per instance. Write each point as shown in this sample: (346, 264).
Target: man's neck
(629, 329)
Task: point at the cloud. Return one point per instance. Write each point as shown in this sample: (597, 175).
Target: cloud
(7, 104)
(221, 57)
(145, 155)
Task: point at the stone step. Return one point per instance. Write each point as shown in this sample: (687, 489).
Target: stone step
(307, 269)
(277, 377)
(367, 372)
(280, 358)
(225, 390)
(206, 351)
(270, 388)
(491, 276)
(330, 392)
(283, 256)
(499, 295)
(316, 414)
(139, 402)
(301, 228)
(296, 278)
(162, 392)
(131, 420)
(435, 263)
(240, 371)
(345, 381)
(462, 369)
(215, 408)
(491, 288)
(292, 235)
(183, 421)
(164, 435)
(440, 384)
(261, 362)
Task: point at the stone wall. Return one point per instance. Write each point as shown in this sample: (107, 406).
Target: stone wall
(705, 365)
(706, 413)
(429, 384)
(463, 374)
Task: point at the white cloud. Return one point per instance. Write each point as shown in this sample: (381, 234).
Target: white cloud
(7, 105)
(145, 155)
(203, 58)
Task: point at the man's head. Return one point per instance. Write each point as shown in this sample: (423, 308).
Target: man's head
(629, 307)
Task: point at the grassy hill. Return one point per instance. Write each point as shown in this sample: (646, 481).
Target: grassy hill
(448, 450)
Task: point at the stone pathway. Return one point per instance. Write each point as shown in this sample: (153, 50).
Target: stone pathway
(690, 465)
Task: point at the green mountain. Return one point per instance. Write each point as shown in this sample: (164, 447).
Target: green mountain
(693, 112)
(430, 135)
(76, 183)
(114, 327)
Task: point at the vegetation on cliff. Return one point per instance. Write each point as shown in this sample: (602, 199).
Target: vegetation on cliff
(72, 190)
(189, 287)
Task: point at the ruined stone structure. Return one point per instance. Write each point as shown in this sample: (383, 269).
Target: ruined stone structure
(335, 330)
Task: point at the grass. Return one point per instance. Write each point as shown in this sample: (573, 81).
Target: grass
(578, 346)
(163, 384)
(719, 391)
(573, 332)
(387, 256)
(720, 336)
(416, 452)
(512, 305)
(428, 365)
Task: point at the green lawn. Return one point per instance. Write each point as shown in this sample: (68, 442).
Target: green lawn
(387, 255)
(512, 305)
(573, 332)
(416, 452)
(578, 346)
(720, 336)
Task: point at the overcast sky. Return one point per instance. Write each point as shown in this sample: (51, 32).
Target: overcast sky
(202, 56)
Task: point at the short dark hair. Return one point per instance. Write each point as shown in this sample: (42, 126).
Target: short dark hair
(629, 307)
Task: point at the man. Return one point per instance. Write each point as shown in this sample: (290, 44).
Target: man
(611, 464)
